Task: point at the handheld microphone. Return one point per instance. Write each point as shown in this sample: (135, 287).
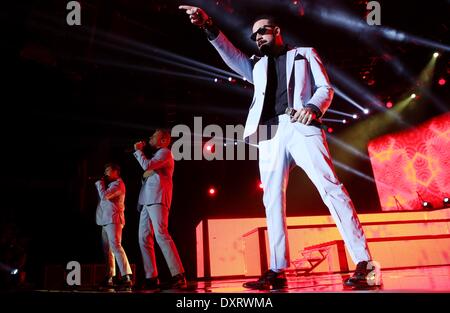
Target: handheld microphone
(290, 111)
(315, 122)
(131, 149)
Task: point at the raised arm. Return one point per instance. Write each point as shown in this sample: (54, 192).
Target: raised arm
(159, 160)
(232, 56)
(114, 189)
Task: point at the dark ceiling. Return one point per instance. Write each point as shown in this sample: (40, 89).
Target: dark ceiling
(108, 70)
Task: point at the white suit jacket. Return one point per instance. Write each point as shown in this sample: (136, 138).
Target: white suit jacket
(111, 211)
(306, 79)
(157, 188)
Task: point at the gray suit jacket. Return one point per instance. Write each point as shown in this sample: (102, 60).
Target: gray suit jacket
(157, 188)
(306, 79)
(111, 207)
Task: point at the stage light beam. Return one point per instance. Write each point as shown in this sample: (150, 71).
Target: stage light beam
(333, 120)
(342, 113)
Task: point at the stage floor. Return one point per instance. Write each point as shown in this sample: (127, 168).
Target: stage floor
(424, 279)
(417, 289)
(413, 280)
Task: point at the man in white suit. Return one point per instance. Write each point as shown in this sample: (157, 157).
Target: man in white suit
(290, 80)
(154, 202)
(110, 216)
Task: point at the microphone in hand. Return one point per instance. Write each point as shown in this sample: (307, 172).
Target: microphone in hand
(139, 145)
(103, 178)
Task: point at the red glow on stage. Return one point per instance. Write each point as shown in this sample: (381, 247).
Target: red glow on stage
(212, 191)
(413, 162)
(442, 81)
(330, 130)
(389, 104)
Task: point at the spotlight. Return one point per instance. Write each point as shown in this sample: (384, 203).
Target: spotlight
(436, 54)
(442, 82)
(355, 116)
(389, 104)
(344, 121)
(210, 148)
(14, 271)
(216, 80)
(446, 202)
(425, 204)
(330, 130)
(230, 79)
(211, 191)
(244, 79)
(366, 111)
(260, 186)
(413, 95)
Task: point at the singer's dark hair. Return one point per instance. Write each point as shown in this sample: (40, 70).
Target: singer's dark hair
(113, 166)
(165, 133)
(273, 20)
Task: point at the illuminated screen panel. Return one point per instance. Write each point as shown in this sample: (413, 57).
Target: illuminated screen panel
(413, 165)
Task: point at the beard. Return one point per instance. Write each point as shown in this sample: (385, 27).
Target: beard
(266, 48)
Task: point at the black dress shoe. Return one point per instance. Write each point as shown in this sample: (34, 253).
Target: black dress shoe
(178, 281)
(107, 283)
(150, 284)
(268, 280)
(125, 282)
(366, 275)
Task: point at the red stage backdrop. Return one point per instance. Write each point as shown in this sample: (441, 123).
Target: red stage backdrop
(413, 165)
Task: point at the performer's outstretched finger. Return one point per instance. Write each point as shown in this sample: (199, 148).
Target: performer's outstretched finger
(187, 8)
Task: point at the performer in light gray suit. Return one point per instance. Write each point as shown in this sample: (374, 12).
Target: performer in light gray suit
(292, 91)
(110, 216)
(154, 202)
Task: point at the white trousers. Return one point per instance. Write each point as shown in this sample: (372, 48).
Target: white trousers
(113, 250)
(153, 222)
(288, 146)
